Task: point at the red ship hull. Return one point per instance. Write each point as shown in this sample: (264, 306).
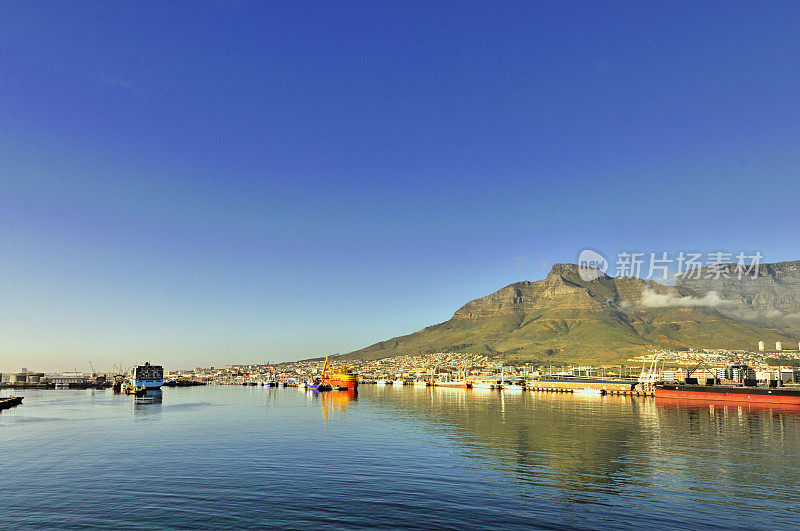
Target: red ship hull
(760, 396)
(334, 382)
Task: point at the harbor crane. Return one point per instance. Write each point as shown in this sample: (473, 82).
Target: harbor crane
(648, 377)
(706, 372)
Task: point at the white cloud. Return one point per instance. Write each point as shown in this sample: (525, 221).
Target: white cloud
(737, 310)
(651, 299)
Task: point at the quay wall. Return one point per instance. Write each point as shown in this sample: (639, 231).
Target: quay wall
(571, 385)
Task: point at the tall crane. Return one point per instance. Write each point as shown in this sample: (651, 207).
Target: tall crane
(325, 367)
(706, 372)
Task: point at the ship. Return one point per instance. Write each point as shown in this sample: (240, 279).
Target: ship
(739, 385)
(342, 378)
(730, 393)
(147, 377)
(10, 401)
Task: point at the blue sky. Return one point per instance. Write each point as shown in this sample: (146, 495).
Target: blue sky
(199, 183)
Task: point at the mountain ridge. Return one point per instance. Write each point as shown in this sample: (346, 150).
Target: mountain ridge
(567, 318)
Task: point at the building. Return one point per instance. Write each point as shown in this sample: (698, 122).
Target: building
(765, 376)
(739, 372)
(67, 378)
(19, 377)
(669, 375)
(787, 375)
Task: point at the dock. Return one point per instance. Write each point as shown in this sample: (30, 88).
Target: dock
(605, 387)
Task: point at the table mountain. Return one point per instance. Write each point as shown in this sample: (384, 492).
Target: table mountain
(566, 318)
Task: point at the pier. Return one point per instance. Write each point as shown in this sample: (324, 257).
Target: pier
(606, 387)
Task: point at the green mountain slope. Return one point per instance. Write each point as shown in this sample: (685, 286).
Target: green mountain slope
(565, 318)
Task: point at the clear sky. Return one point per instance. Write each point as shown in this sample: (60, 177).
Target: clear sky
(199, 183)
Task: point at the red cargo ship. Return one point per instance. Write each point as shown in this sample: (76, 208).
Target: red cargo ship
(730, 393)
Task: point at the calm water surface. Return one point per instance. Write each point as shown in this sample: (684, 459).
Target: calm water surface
(411, 457)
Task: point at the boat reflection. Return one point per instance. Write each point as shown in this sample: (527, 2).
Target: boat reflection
(152, 396)
(336, 401)
(694, 405)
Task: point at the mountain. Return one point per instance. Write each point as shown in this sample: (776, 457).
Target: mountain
(564, 318)
(770, 288)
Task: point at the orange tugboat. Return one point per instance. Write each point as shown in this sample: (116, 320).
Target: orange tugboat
(341, 378)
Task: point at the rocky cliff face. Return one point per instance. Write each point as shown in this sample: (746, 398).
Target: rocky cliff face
(563, 289)
(775, 288)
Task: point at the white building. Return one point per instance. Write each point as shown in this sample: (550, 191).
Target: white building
(67, 378)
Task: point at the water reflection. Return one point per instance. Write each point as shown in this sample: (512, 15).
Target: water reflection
(723, 405)
(755, 427)
(575, 447)
(147, 405)
(333, 402)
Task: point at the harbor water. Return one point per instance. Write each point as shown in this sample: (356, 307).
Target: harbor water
(408, 456)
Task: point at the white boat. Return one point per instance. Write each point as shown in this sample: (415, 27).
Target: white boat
(512, 387)
(399, 382)
(483, 384)
(420, 383)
